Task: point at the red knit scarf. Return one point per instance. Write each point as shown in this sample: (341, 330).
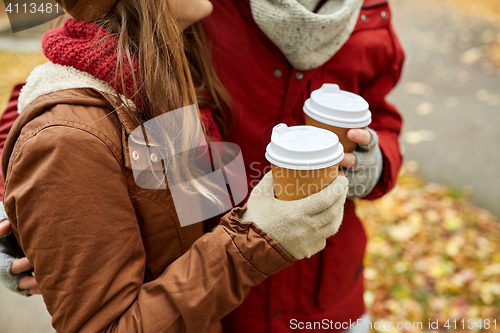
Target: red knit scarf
(77, 44)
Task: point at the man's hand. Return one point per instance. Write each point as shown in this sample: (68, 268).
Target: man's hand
(20, 265)
(362, 167)
(360, 136)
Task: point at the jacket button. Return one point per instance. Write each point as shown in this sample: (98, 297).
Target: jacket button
(277, 313)
(384, 15)
(299, 75)
(154, 158)
(135, 156)
(278, 73)
(364, 18)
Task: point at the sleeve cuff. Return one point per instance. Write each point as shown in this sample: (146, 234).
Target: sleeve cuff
(257, 246)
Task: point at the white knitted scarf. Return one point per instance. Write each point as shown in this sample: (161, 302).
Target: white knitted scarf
(307, 39)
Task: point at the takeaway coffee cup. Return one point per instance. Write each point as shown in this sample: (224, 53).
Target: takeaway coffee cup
(304, 160)
(337, 111)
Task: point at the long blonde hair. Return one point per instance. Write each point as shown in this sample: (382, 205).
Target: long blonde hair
(168, 61)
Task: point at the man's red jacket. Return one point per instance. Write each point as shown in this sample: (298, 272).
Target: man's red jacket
(266, 91)
(9, 116)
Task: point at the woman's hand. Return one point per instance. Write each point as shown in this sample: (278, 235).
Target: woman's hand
(26, 282)
(363, 166)
(19, 266)
(302, 226)
(4, 227)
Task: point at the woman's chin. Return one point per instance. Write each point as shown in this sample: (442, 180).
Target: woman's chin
(203, 10)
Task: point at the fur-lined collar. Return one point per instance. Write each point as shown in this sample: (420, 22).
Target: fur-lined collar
(49, 78)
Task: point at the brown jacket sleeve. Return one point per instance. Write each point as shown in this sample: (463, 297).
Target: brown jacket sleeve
(68, 200)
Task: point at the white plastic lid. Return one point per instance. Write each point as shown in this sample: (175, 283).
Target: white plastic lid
(303, 148)
(332, 106)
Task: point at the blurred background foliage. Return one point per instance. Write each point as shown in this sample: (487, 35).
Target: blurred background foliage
(15, 68)
(431, 255)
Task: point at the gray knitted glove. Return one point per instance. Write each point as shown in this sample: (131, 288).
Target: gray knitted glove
(302, 226)
(9, 251)
(366, 173)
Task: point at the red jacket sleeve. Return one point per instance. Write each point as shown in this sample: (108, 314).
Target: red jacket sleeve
(386, 120)
(8, 118)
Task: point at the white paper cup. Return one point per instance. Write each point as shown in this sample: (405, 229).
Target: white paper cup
(337, 111)
(304, 160)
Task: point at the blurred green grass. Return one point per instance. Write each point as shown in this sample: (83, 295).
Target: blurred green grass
(14, 67)
(489, 10)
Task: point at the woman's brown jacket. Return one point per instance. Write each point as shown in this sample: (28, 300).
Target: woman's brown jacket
(108, 255)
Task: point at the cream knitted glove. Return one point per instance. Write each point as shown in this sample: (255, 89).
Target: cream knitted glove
(302, 226)
(366, 173)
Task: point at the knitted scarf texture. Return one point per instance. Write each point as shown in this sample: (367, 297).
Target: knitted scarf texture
(308, 39)
(78, 44)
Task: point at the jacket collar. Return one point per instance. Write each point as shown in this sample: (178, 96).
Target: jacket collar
(246, 12)
(50, 78)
